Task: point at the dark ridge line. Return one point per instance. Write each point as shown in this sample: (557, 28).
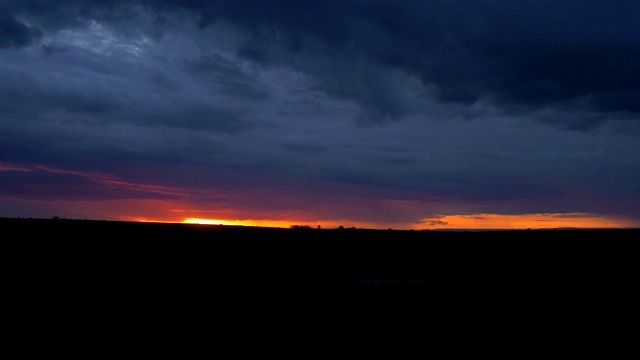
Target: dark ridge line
(321, 229)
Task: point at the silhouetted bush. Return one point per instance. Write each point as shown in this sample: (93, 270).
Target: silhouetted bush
(301, 227)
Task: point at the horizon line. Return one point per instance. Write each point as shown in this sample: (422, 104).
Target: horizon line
(328, 228)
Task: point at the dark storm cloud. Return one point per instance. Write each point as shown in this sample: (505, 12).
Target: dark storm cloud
(54, 15)
(23, 95)
(225, 75)
(50, 49)
(520, 55)
(209, 119)
(13, 32)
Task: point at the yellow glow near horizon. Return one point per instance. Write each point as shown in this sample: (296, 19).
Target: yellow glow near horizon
(446, 222)
(328, 224)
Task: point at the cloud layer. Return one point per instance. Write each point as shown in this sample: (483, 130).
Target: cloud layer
(362, 110)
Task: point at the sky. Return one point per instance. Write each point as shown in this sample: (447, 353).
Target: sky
(367, 114)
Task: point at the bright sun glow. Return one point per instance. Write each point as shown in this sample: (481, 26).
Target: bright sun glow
(262, 223)
(210, 222)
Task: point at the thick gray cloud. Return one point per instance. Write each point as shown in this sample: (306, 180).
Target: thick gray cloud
(520, 55)
(514, 54)
(13, 32)
(435, 106)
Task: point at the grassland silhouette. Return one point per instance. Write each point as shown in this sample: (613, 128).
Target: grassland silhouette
(165, 282)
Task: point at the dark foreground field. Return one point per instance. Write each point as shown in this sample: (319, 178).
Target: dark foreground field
(167, 279)
(238, 258)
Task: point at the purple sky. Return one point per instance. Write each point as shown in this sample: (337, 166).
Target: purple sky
(403, 114)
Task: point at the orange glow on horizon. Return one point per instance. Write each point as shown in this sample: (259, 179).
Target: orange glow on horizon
(326, 224)
(526, 221)
(446, 222)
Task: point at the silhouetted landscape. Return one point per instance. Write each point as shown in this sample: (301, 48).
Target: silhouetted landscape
(207, 258)
(164, 279)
